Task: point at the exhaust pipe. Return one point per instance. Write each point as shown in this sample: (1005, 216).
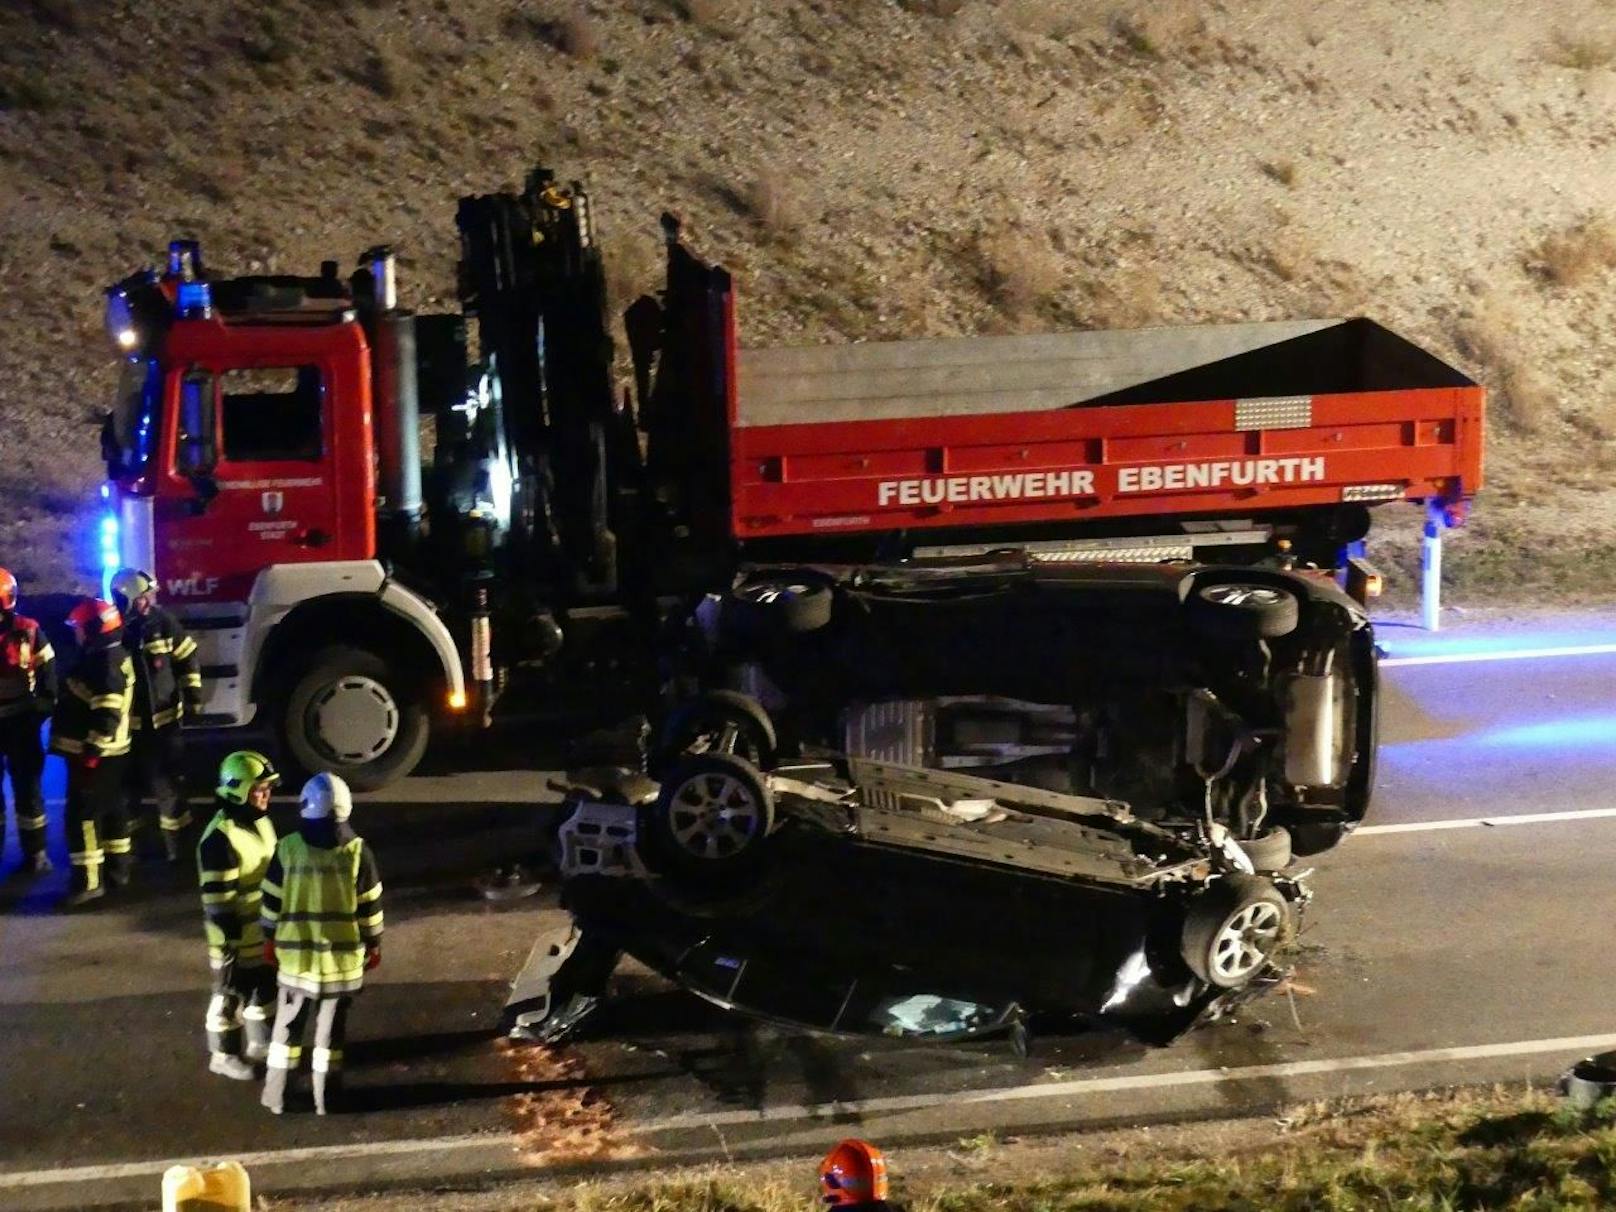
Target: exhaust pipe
(397, 404)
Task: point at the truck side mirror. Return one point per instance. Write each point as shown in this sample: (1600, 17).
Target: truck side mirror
(206, 488)
(194, 451)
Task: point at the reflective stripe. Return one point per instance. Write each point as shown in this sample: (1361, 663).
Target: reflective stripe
(31, 823)
(318, 942)
(43, 655)
(184, 648)
(158, 646)
(255, 1014)
(283, 1056)
(102, 702)
(118, 845)
(175, 823)
(323, 1060)
(86, 858)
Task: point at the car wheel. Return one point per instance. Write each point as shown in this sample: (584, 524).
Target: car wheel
(781, 603)
(717, 721)
(351, 715)
(1233, 928)
(1270, 850)
(713, 814)
(1315, 837)
(1243, 610)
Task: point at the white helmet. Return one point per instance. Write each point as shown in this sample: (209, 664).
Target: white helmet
(326, 795)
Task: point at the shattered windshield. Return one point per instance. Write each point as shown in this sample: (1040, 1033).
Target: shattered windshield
(133, 428)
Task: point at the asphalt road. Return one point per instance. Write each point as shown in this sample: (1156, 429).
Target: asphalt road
(1440, 949)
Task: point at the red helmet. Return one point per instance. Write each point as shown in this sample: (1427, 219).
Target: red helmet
(92, 617)
(8, 591)
(854, 1172)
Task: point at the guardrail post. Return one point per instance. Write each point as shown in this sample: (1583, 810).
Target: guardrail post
(1431, 571)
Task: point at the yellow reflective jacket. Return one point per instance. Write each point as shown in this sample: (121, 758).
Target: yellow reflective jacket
(323, 908)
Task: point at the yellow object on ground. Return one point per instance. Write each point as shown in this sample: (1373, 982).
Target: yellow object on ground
(221, 1188)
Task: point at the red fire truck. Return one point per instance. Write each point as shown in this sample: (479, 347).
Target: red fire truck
(375, 524)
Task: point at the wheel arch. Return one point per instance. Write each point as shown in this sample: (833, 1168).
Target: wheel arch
(354, 604)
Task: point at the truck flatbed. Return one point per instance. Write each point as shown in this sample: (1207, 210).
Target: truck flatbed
(1070, 427)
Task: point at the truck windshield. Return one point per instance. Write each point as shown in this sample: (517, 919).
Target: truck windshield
(132, 430)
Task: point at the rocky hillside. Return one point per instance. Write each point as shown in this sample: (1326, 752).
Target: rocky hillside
(869, 168)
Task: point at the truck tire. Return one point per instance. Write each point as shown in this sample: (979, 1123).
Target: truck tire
(701, 724)
(780, 603)
(351, 715)
(1243, 610)
(1232, 929)
(712, 815)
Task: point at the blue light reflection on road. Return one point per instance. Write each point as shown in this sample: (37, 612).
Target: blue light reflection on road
(1402, 641)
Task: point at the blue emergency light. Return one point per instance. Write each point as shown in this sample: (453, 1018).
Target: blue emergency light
(194, 301)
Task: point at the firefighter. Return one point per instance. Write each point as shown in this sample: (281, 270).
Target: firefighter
(322, 923)
(853, 1176)
(231, 860)
(27, 694)
(168, 687)
(90, 730)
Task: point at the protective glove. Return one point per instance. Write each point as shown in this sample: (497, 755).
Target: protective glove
(269, 952)
(90, 761)
(373, 958)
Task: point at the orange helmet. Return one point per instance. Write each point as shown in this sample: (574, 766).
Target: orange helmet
(853, 1173)
(92, 617)
(8, 591)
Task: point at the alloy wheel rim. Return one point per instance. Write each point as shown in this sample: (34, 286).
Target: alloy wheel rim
(713, 816)
(1246, 941)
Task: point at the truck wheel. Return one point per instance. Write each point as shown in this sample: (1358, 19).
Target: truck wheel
(718, 721)
(713, 814)
(351, 715)
(781, 603)
(1233, 928)
(1243, 610)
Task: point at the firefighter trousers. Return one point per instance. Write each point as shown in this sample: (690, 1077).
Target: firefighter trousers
(22, 757)
(242, 1002)
(156, 770)
(97, 823)
(294, 1010)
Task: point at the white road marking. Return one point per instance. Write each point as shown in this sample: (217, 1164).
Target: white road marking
(1511, 654)
(1488, 822)
(1573, 1046)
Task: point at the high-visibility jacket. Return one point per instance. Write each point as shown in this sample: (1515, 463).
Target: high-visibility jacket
(231, 861)
(27, 667)
(92, 712)
(166, 672)
(323, 908)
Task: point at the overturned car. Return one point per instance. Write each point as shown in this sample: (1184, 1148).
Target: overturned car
(1241, 696)
(854, 896)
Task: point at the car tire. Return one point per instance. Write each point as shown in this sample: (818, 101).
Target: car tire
(1232, 928)
(1270, 850)
(792, 602)
(712, 815)
(1315, 837)
(350, 714)
(698, 726)
(1243, 610)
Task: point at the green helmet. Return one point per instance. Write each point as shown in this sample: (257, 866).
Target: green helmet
(240, 772)
(128, 584)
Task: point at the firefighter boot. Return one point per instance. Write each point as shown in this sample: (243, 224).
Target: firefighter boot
(86, 887)
(120, 869)
(255, 1031)
(233, 1067)
(173, 845)
(39, 863)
